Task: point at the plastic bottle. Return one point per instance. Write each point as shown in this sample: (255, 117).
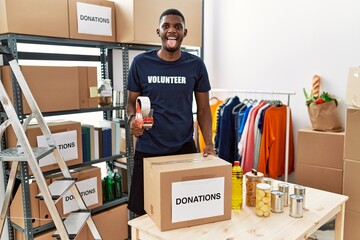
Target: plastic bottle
(109, 189)
(237, 186)
(117, 182)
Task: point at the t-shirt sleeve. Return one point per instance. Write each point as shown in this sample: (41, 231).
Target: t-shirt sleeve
(203, 83)
(133, 83)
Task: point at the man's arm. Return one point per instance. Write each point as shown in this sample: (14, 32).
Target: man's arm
(205, 120)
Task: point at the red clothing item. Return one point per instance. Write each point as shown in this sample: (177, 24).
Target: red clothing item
(248, 156)
(272, 149)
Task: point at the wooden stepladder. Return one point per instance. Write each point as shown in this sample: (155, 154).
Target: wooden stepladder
(70, 227)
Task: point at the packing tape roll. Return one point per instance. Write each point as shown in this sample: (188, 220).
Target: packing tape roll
(144, 105)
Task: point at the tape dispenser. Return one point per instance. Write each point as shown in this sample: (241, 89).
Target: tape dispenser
(144, 114)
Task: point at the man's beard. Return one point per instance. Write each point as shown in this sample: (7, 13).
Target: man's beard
(171, 49)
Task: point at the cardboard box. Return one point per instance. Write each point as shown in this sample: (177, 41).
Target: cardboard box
(324, 149)
(54, 88)
(327, 179)
(71, 127)
(17, 207)
(111, 223)
(89, 184)
(352, 133)
(186, 190)
(350, 184)
(353, 88)
(137, 20)
(351, 225)
(88, 87)
(35, 17)
(92, 20)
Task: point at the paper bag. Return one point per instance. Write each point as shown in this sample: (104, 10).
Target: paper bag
(325, 117)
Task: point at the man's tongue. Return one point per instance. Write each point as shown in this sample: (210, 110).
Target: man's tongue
(171, 42)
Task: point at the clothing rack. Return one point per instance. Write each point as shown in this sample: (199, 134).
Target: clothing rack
(288, 94)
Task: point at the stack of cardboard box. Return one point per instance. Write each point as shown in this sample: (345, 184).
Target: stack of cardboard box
(125, 21)
(319, 161)
(351, 174)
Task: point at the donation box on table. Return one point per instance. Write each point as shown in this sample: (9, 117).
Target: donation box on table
(187, 190)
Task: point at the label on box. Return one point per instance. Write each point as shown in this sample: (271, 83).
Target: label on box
(67, 144)
(94, 19)
(197, 199)
(89, 192)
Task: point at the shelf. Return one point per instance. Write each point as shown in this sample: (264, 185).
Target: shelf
(21, 38)
(104, 56)
(85, 110)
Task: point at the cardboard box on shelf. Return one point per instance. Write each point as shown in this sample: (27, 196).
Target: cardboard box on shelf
(351, 225)
(323, 149)
(41, 17)
(67, 133)
(112, 222)
(327, 179)
(350, 187)
(88, 180)
(54, 88)
(88, 87)
(17, 208)
(92, 20)
(352, 133)
(137, 20)
(57, 88)
(186, 190)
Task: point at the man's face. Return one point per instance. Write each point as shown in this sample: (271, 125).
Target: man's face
(172, 32)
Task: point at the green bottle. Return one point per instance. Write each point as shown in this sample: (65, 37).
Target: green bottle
(117, 183)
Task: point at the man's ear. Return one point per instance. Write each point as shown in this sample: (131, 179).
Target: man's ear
(158, 32)
(185, 32)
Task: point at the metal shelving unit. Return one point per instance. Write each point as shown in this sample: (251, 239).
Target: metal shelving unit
(12, 40)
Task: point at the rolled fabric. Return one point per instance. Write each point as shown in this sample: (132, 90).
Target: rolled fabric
(315, 86)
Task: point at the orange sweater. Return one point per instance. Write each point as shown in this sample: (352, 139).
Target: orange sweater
(272, 149)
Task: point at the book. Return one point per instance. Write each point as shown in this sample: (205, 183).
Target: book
(106, 142)
(112, 125)
(89, 132)
(98, 142)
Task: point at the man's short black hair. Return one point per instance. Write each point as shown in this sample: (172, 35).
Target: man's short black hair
(172, 11)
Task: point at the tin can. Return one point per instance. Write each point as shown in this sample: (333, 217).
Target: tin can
(277, 201)
(252, 179)
(268, 181)
(300, 190)
(284, 187)
(263, 199)
(296, 206)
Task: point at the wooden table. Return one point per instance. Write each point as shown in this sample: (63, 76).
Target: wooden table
(320, 207)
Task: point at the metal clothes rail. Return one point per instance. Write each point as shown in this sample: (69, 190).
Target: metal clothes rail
(288, 94)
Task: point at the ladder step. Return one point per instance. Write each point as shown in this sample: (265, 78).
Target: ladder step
(17, 154)
(58, 188)
(74, 223)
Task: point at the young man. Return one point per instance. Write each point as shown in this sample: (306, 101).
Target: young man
(168, 77)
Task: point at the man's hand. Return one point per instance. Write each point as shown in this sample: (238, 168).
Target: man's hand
(209, 150)
(135, 129)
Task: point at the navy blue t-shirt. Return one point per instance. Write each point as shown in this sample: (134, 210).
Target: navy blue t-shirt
(170, 87)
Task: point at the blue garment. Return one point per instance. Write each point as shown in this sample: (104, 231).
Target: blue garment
(243, 120)
(227, 137)
(170, 86)
(238, 119)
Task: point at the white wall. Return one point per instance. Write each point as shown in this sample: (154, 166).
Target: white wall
(279, 45)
